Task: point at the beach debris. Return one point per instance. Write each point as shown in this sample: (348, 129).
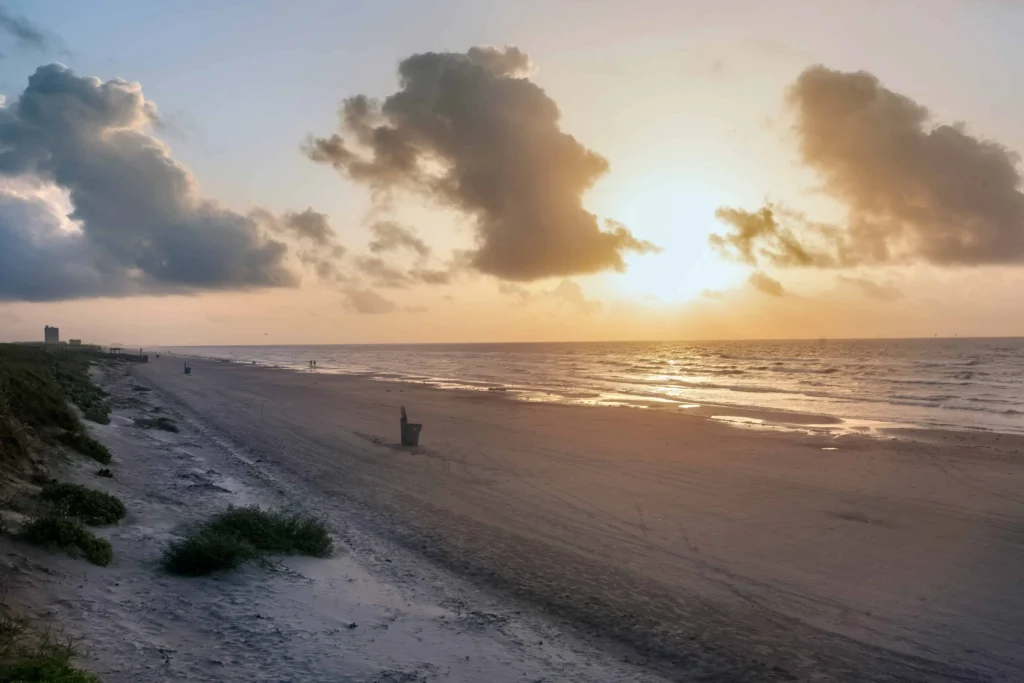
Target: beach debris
(410, 431)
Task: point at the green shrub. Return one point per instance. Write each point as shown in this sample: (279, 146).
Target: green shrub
(239, 534)
(98, 413)
(69, 535)
(86, 445)
(92, 507)
(164, 423)
(206, 552)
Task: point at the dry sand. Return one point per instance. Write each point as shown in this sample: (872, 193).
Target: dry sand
(715, 552)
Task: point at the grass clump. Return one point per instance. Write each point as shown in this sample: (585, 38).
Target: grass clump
(45, 670)
(239, 534)
(104, 472)
(86, 445)
(31, 656)
(164, 423)
(92, 507)
(206, 552)
(54, 530)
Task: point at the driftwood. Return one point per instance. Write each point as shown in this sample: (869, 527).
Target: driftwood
(410, 431)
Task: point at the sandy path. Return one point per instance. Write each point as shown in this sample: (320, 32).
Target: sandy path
(731, 554)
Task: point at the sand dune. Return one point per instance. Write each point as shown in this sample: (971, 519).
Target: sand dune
(719, 552)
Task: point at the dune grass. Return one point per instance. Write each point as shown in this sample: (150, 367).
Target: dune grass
(37, 385)
(86, 445)
(239, 534)
(55, 530)
(31, 656)
(94, 508)
(164, 423)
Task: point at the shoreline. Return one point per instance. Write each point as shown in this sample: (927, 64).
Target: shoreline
(707, 549)
(741, 417)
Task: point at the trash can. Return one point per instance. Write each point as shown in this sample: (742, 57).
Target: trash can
(410, 431)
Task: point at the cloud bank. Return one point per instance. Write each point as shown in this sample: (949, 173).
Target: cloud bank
(913, 191)
(472, 132)
(137, 222)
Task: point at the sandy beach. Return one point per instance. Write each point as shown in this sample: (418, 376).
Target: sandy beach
(714, 552)
(372, 612)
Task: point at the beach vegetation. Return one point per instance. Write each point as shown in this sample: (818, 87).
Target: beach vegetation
(242, 533)
(37, 387)
(86, 445)
(30, 655)
(163, 423)
(54, 530)
(92, 507)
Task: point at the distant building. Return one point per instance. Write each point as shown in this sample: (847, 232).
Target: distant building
(75, 342)
(52, 335)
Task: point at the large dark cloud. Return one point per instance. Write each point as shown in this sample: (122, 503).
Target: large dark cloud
(913, 190)
(472, 132)
(141, 225)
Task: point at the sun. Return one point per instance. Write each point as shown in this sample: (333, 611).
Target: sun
(677, 213)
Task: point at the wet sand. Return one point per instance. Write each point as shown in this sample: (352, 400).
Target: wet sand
(715, 552)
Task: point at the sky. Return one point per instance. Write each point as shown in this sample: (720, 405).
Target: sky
(338, 172)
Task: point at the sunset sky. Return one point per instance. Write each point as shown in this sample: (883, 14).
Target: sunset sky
(203, 200)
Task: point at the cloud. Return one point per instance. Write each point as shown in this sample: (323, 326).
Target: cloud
(913, 190)
(139, 224)
(380, 273)
(390, 236)
(470, 131)
(873, 290)
(757, 237)
(566, 293)
(315, 243)
(367, 301)
(311, 225)
(24, 31)
(521, 294)
(571, 294)
(765, 284)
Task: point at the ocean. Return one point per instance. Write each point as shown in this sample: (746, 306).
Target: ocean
(944, 383)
